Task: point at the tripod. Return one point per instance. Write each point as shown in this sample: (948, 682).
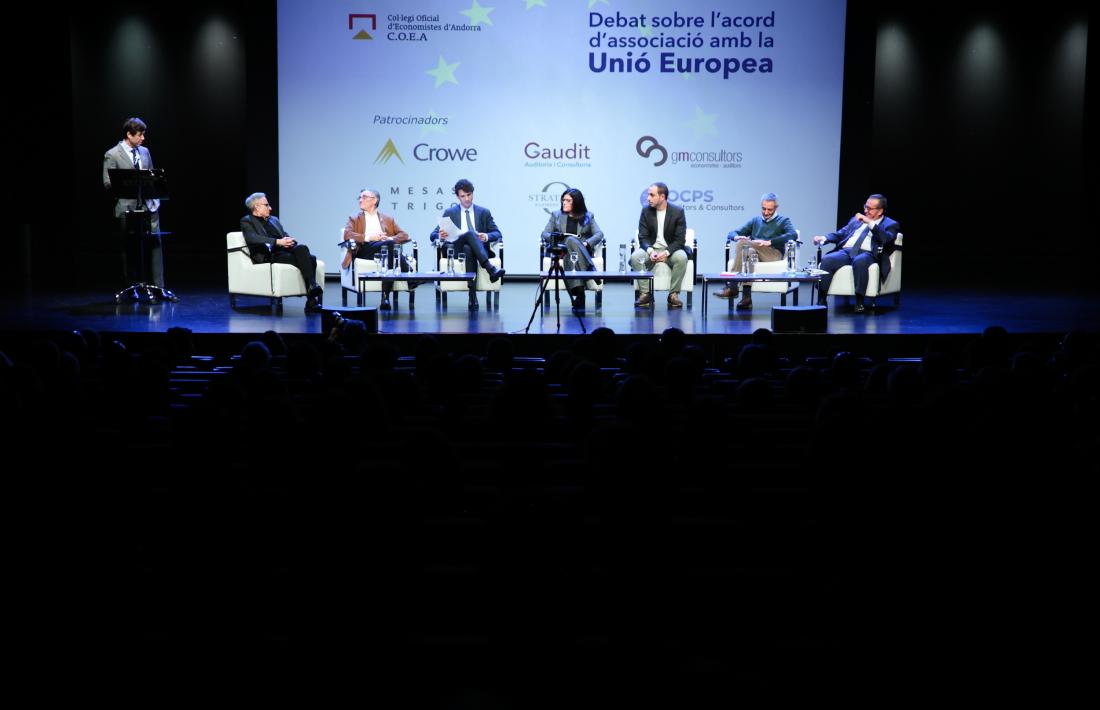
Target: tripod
(556, 272)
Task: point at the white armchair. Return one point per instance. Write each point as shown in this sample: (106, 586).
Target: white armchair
(662, 273)
(269, 280)
(844, 283)
(349, 277)
(481, 283)
(783, 288)
(599, 262)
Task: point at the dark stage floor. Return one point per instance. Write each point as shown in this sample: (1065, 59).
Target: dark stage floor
(207, 310)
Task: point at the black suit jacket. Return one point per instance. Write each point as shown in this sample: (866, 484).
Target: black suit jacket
(675, 228)
(256, 236)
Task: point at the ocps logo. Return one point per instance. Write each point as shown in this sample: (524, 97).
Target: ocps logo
(681, 196)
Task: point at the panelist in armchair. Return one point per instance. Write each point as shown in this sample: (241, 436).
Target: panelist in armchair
(480, 231)
(371, 230)
(263, 229)
(574, 219)
(662, 239)
(858, 243)
(767, 235)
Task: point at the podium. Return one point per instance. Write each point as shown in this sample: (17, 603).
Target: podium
(141, 185)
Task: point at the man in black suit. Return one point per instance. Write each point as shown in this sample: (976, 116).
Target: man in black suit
(662, 235)
(262, 231)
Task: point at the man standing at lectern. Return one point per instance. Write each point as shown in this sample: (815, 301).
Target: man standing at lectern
(130, 154)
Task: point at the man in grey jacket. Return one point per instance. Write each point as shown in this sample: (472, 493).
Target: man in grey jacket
(130, 154)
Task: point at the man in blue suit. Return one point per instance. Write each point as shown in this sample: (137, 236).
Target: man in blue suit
(480, 231)
(868, 237)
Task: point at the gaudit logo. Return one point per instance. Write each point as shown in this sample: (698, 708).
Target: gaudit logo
(388, 151)
(650, 146)
(363, 34)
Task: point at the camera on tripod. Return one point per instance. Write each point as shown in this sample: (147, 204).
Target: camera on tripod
(555, 243)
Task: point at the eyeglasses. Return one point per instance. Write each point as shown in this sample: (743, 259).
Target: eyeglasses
(869, 207)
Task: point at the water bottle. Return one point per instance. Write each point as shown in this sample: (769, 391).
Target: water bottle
(450, 260)
(622, 259)
(413, 266)
(792, 255)
(383, 260)
(748, 262)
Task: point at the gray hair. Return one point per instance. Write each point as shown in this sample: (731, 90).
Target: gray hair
(769, 197)
(251, 200)
(371, 190)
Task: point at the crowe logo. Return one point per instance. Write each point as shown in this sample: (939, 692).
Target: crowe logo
(388, 151)
(363, 34)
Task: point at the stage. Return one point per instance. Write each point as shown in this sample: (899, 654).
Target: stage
(206, 309)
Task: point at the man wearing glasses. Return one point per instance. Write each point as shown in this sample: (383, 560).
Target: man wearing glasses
(858, 243)
(263, 229)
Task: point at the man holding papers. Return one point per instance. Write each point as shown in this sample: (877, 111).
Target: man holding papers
(476, 232)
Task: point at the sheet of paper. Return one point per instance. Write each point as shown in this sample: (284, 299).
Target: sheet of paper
(446, 224)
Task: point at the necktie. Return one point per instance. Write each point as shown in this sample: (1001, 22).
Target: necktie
(470, 223)
(137, 163)
(859, 242)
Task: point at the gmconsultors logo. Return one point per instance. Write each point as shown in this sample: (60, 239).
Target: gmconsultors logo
(650, 146)
(388, 151)
(363, 34)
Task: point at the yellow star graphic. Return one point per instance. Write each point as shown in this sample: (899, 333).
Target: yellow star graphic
(646, 31)
(443, 72)
(591, 3)
(703, 123)
(478, 14)
(532, 3)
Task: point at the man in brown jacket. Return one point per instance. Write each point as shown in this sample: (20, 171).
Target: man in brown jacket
(372, 230)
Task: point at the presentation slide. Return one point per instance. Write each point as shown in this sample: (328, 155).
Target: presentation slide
(722, 101)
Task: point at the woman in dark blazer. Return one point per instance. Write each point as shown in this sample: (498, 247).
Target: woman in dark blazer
(584, 237)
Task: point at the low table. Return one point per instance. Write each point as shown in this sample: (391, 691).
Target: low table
(417, 276)
(802, 277)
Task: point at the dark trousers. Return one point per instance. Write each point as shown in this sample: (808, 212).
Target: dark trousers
(298, 256)
(474, 250)
(841, 257)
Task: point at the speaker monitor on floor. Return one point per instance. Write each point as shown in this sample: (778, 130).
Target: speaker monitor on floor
(799, 319)
(331, 316)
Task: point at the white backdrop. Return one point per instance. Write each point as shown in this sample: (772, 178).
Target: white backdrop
(528, 97)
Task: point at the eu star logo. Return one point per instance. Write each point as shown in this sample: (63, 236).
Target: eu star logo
(443, 72)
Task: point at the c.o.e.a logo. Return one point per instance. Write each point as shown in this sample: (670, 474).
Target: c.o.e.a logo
(361, 21)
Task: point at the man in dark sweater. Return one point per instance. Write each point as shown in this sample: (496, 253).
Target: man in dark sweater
(269, 241)
(766, 235)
